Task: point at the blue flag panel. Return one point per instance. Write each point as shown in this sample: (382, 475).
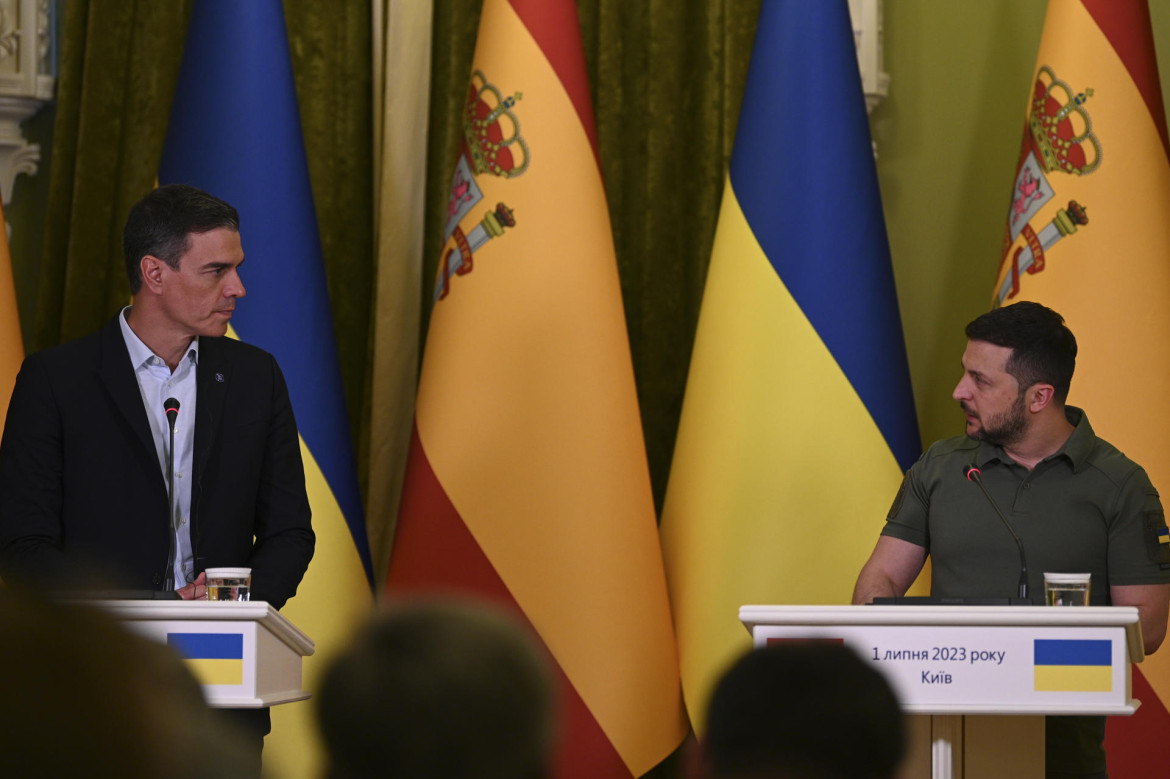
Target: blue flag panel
(235, 131)
(803, 171)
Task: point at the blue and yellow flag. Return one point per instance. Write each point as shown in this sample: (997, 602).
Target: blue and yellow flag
(1073, 665)
(798, 419)
(235, 131)
(214, 658)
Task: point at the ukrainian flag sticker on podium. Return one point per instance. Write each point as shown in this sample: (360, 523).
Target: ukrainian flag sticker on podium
(1063, 665)
(214, 658)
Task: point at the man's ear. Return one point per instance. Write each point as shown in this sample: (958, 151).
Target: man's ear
(1040, 397)
(151, 268)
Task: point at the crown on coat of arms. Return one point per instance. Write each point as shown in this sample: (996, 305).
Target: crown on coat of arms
(492, 131)
(1061, 129)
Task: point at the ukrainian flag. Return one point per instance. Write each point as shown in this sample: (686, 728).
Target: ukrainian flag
(1067, 665)
(235, 132)
(214, 658)
(798, 420)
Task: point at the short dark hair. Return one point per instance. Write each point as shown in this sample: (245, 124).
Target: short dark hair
(161, 224)
(438, 688)
(1043, 348)
(781, 711)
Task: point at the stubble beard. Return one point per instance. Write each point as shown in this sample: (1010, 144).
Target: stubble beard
(1005, 429)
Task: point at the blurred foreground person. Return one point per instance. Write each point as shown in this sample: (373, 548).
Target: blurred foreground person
(81, 696)
(438, 690)
(806, 710)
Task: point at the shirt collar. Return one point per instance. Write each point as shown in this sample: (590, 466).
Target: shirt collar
(140, 353)
(1076, 449)
(1080, 444)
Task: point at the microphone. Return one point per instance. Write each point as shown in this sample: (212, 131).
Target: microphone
(974, 474)
(171, 409)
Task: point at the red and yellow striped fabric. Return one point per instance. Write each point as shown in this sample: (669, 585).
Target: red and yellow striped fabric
(527, 480)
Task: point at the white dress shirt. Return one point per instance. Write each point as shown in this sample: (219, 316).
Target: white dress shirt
(156, 383)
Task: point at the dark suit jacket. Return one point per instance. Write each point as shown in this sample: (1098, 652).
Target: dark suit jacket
(83, 500)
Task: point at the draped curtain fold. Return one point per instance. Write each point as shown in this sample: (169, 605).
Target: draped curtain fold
(402, 80)
(119, 61)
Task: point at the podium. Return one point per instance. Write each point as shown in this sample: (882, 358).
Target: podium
(245, 654)
(978, 680)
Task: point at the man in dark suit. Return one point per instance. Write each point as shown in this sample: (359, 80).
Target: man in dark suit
(84, 497)
(89, 497)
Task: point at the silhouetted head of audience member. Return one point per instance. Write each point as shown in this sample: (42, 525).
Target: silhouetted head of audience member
(82, 696)
(803, 710)
(440, 689)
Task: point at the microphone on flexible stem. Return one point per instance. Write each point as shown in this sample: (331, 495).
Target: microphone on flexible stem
(171, 408)
(974, 474)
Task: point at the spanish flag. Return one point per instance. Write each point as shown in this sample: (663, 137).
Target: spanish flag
(235, 131)
(11, 343)
(798, 419)
(527, 480)
(1087, 235)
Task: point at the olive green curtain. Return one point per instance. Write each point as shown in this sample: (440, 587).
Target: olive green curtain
(119, 62)
(117, 72)
(666, 77)
(331, 52)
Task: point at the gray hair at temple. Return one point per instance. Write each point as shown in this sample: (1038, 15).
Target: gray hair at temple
(161, 224)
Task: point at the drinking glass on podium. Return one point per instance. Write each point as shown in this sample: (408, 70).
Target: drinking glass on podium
(1066, 589)
(229, 584)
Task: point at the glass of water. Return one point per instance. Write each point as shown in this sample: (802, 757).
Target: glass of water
(229, 584)
(1066, 589)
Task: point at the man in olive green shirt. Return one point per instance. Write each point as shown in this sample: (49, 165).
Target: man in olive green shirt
(1076, 503)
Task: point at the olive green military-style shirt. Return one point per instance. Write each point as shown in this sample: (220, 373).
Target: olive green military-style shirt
(1087, 507)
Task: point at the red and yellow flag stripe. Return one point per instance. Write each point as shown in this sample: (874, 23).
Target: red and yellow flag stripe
(1110, 278)
(527, 479)
(11, 343)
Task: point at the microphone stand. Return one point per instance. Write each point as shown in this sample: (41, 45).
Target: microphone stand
(171, 407)
(974, 474)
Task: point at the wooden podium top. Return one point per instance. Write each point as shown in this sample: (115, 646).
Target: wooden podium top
(979, 659)
(256, 611)
(989, 616)
(260, 612)
(245, 654)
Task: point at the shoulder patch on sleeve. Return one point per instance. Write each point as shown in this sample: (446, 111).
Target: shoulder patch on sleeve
(1157, 536)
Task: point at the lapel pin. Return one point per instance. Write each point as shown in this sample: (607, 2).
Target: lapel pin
(219, 377)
